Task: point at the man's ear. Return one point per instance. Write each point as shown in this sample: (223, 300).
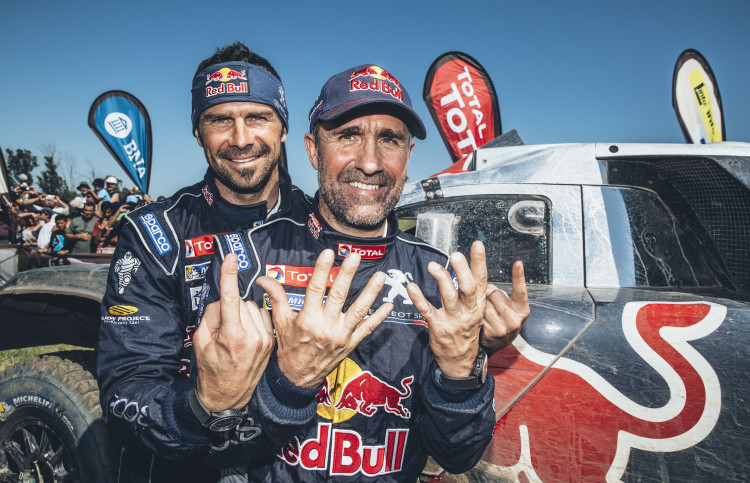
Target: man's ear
(283, 134)
(312, 150)
(411, 148)
(198, 137)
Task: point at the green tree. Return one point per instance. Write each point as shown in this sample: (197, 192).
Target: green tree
(51, 182)
(21, 162)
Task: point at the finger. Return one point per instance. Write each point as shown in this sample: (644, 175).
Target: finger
(259, 324)
(229, 291)
(423, 306)
(340, 287)
(500, 303)
(316, 287)
(479, 268)
(366, 298)
(280, 309)
(208, 325)
(466, 283)
(520, 295)
(448, 294)
(368, 325)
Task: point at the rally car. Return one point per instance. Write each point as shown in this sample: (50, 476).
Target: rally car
(631, 366)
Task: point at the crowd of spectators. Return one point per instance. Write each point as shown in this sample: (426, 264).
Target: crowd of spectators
(46, 226)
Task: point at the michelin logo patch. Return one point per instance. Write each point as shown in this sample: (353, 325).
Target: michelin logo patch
(155, 231)
(237, 246)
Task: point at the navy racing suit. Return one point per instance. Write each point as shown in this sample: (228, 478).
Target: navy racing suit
(382, 411)
(154, 290)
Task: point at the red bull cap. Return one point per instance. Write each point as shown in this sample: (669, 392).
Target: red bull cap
(362, 85)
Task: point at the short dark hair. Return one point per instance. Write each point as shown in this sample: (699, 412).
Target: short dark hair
(237, 52)
(61, 217)
(105, 206)
(98, 182)
(89, 203)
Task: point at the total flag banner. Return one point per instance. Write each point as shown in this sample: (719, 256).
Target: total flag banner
(121, 123)
(461, 99)
(696, 99)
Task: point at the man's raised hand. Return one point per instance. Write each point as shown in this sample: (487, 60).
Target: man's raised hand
(233, 344)
(455, 328)
(313, 342)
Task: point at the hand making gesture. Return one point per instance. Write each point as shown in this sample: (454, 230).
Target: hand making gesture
(233, 344)
(313, 342)
(504, 316)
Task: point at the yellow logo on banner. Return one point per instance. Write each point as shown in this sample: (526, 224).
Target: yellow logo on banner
(704, 104)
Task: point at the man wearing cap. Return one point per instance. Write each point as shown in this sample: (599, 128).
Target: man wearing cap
(83, 188)
(111, 187)
(239, 118)
(358, 387)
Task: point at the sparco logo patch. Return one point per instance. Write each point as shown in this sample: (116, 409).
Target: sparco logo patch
(199, 246)
(156, 233)
(237, 246)
(296, 276)
(367, 252)
(122, 310)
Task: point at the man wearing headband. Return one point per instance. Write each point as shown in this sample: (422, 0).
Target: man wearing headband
(378, 362)
(155, 285)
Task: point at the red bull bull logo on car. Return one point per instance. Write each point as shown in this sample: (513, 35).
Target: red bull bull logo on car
(227, 85)
(546, 438)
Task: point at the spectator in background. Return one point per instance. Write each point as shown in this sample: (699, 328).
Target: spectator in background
(57, 245)
(47, 216)
(104, 235)
(100, 194)
(75, 206)
(32, 225)
(83, 188)
(79, 232)
(111, 189)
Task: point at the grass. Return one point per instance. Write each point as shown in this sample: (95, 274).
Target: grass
(10, 357)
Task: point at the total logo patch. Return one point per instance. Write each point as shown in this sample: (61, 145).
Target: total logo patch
(199, 246)
(367, 252)
(122, 310)
(155, 231)
(237, 246)
(296, 276)
(196, 272)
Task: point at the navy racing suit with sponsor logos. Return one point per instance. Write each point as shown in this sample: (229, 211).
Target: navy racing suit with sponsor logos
(154, 289)
(382, 411)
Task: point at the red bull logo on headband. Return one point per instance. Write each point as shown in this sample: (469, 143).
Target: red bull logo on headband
(226, 77)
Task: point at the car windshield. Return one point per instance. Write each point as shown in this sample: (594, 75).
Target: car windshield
(512, 227)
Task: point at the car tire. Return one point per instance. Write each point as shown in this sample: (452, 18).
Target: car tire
(51, 426)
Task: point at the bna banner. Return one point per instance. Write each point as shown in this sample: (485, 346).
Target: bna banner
(696, 99)
(122, 124)
(461, 99)
(4, 180)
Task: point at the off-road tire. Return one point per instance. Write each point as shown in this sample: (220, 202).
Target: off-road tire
(51, 427)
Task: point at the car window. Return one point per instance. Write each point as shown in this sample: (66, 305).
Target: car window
(512, 227)
(632, 240)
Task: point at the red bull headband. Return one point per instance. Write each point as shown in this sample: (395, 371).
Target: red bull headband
(362, 85)
(237, 82)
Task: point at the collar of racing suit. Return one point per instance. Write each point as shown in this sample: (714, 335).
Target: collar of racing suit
(247, 213)
(371, 249)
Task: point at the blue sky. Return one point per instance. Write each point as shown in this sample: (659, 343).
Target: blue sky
(564, 71)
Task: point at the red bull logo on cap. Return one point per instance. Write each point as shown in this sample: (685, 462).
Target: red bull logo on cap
(376, 72)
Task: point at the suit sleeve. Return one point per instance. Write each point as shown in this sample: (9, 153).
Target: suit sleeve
(140, 338)
(455, 425)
